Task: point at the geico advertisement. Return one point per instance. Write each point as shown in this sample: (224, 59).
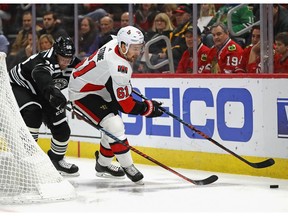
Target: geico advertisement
(248, 116)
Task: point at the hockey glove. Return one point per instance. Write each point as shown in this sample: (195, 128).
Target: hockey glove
(152, 109)
(55, 97)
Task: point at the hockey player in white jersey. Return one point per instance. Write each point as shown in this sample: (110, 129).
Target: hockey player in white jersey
(100, 87)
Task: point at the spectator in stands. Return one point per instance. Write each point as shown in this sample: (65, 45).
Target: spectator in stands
(255, 38)
(206, 13)
(144, 16)
(95, 12)
(241, 18)
(124, 19)
(207, 10)
(51, 26)
(45, 42)
(102, 37)
(87, 36)
(224, 56)
(162, 26)
(280, 19)
(21, 40)
(4, 44)
(168, 9)
(186, 63)
(281, 55)
(23, 53)
(183, 16)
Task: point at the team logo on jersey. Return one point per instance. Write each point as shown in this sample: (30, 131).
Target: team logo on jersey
(122, 69)
(232, 47)
(204, 57)
(60, 83)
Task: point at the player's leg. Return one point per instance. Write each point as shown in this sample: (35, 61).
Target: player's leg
(103, 112)
(104, 157)
(30, 109)
(95, 108)
(56, 121)
(114, 125)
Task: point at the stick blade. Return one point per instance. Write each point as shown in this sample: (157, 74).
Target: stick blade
(206, 181)
(263, 164)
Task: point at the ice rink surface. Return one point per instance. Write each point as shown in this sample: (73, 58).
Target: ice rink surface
(165, 193)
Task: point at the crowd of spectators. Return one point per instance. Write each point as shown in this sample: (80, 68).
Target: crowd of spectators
(218, 51)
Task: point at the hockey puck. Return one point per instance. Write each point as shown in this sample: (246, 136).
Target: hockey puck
(274, 186)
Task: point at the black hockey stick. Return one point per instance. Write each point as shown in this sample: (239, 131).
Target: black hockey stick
(262, 164)
(206, 181)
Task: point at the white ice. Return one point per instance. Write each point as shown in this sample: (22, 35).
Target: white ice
(165, 192)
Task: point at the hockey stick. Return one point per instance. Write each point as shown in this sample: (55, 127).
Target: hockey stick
(262, 164)
(81, 116)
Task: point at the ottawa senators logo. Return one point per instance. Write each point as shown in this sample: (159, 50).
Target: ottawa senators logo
(122, 69)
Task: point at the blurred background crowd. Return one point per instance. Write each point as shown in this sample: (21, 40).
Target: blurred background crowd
(226, 40)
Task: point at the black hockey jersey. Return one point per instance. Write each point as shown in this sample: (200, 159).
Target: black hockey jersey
(45, 61)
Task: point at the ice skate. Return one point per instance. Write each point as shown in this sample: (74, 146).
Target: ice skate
(134, 174)
(63, 167)
(110, 171)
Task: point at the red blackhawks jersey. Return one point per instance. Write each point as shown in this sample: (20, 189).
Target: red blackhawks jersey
(224, 60)
(242, 67)
(105, 73)
(280, 64)
(186, 63)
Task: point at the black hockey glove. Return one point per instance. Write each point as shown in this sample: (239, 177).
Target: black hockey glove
(152, 109)
(55, 97)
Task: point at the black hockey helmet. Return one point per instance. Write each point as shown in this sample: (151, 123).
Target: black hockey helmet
(64, 46)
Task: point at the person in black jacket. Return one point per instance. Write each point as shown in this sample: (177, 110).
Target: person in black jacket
(280, 19)
(183, 16)
(37, 83)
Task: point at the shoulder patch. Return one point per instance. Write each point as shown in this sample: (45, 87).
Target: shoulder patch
(204, 57)
(122, 69)
(232, 47)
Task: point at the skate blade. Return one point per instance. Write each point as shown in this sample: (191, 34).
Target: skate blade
(107, 175)
(65, 174)
(140, 182)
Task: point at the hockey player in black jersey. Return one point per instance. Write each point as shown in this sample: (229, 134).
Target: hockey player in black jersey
(37, 84)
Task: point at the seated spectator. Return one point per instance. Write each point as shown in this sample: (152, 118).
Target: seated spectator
(168, 9)
(186, 63)
(23, 53)
(124, 19)
(102, 37)
(241, 18)
(144, 16)
(224, 56)
(255, 38)
(281, 55)
(206, 13)
(87, 36)
(51, 26)
(183, 16)
(21, 40)
(45, 42)
(162, 26)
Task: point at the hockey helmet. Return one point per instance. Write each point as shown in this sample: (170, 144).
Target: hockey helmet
(129, 35)
(64, 46)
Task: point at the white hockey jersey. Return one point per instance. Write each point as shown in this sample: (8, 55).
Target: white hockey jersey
(105, 67)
